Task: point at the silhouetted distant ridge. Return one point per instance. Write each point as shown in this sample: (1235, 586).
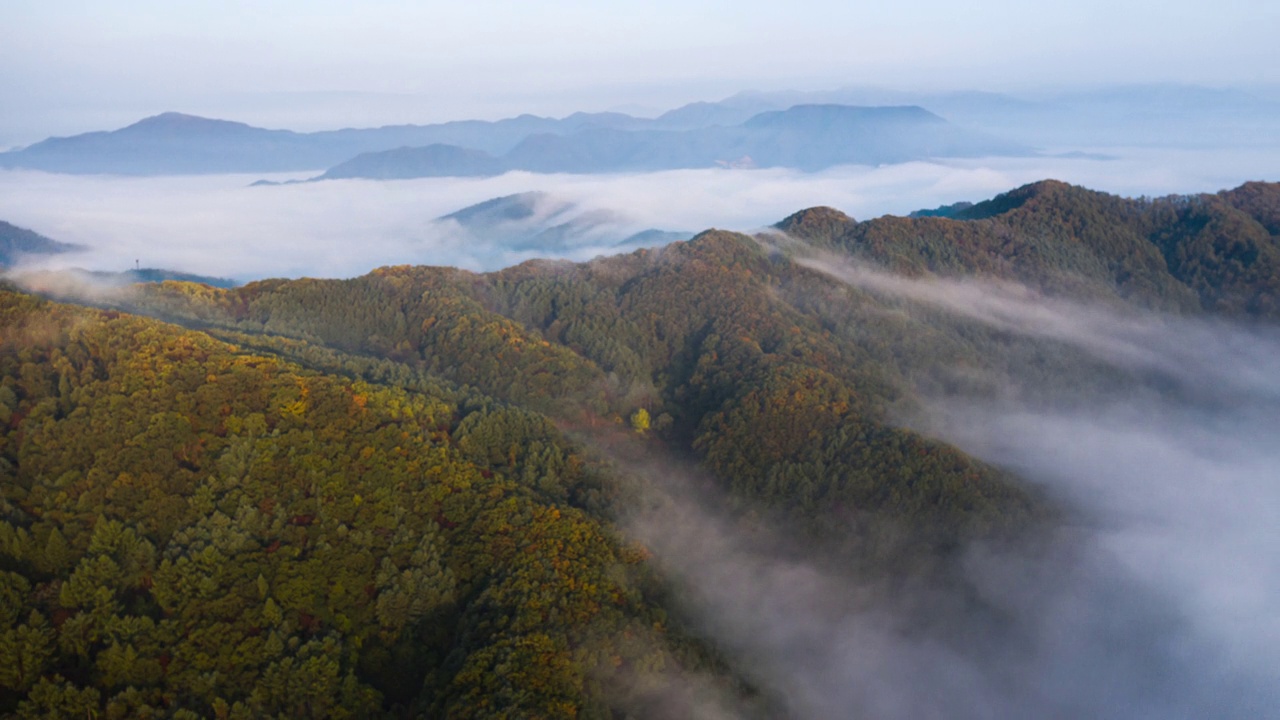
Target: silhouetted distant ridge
(181, 122)
(16, 242)
(807, 137)
(178, 143)
(1168, 115)
(404, 163)
(829, 116)
(171, 143)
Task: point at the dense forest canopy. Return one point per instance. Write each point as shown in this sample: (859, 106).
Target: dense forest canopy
(408, 493)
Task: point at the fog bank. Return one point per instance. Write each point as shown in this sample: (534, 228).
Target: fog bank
(218, 225)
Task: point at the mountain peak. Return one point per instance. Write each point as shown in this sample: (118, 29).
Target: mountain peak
(816, 223)
(174, 118)
(181, 122)
(831, 113)
(1042, 191)
(508, 208)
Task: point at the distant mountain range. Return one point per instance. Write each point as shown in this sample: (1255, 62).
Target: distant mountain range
(805, 137)
(174, 143)
(1165, 114)
(808, 137)
(803, 130)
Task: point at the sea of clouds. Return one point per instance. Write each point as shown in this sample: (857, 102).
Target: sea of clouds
(218, 225)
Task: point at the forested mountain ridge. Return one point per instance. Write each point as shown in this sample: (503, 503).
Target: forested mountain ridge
(696, 335)
(187, 529)
(1218, 253)
(394, 493)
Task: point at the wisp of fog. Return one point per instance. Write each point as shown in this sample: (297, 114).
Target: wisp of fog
(1158, 595)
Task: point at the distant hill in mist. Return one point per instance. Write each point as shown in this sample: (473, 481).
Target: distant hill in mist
(16, 242)
(155, 275)
(540, 222)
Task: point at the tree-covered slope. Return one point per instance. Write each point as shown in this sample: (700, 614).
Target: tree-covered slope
(191, 530)
(1218, 253)
(702, 336)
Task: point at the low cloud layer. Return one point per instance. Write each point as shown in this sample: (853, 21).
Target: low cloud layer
(1157, 598)
(217, 225)
(1207, 357)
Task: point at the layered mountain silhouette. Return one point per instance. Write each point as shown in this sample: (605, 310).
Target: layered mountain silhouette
(735, 131)
(807, 137)
(1131, 115)
(176, 143)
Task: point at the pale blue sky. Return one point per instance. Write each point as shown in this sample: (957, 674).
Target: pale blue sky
(74, 65)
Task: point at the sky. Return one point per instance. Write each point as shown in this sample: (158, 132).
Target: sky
(69, 66)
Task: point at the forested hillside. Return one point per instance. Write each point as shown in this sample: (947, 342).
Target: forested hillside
(408, 493)
(696, 335)
(189, 529)
(1217, 253)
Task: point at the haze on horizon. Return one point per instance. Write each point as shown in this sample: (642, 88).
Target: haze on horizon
(73, 66)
